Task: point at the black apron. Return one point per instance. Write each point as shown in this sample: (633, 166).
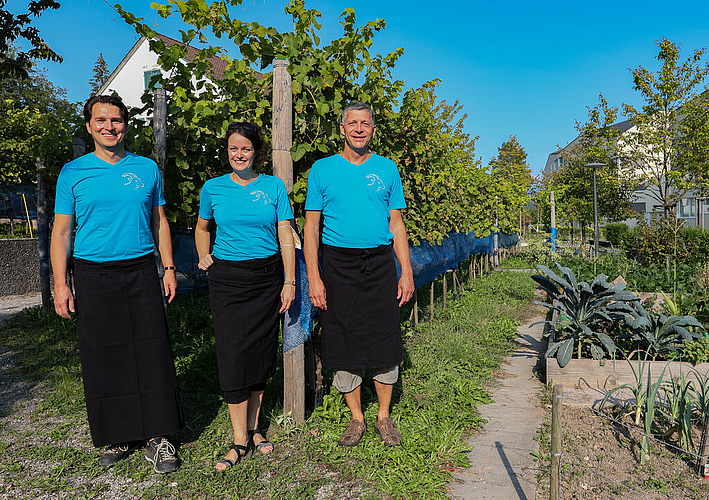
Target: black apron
(245, 297)
(126, 359)
(360, 328)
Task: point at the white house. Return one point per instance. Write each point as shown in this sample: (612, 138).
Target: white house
(132, 76)
(692, 208)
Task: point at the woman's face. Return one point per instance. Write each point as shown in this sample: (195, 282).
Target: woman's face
(241, 153)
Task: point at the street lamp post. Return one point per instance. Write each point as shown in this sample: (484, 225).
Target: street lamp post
(595, 202)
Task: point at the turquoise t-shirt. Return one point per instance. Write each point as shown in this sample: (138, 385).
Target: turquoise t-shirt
(355, 200)
(246, 216)
(112, 205)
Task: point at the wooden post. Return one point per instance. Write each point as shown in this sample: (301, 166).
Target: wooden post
(160, 130)
(455, 284)
(43, 236)
(704, 448)
(78, 147)
(282, 123)
(558, 392)
(293, 359)
(430, 306)
(487, 262)
(445, 289)
(416, 308)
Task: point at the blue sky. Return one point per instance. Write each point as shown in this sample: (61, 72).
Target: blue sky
(519, 68)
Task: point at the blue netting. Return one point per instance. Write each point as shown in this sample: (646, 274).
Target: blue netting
(427, 262)
(184, 253)
(298, 322)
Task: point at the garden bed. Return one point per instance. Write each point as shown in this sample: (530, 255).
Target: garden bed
(609, 374)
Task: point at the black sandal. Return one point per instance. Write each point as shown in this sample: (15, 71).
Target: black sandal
(228, 462)
(259, 446)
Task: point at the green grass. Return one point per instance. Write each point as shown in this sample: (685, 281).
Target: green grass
(447, 364)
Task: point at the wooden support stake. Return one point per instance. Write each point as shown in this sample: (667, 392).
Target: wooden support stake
(471, 270)
(445, 289)
(282, 137)
(702, 460)
(455, 283)
(43, 237)
(160, 130)
(558, 392)
(294, 390)
(430, 307)
(487, 262)
(416, 308)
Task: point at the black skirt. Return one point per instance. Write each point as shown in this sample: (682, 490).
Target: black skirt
(245, 297)
(126, 359)
(360, 328)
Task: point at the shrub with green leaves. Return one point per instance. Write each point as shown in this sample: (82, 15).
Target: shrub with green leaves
(660, 335)
(584, 312)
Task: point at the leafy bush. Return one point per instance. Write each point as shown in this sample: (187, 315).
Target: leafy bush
(584, 311)
(618, 233)
(661, 335)
(697, 351)
(668, 239)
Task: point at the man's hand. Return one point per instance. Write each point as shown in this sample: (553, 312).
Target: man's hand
(317, 293)
(63, 301)
(169, 281)
(405, 289)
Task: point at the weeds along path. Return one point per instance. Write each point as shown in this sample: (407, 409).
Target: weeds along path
(502, 455)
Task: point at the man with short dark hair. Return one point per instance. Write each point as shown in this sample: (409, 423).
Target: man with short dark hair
(359, 196)
(116, 199)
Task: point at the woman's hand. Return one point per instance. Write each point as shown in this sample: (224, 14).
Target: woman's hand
(287, 297)
(205, 262)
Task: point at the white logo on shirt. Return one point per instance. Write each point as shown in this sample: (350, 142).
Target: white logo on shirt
(374, 180)
(132, 178)
(260, 196)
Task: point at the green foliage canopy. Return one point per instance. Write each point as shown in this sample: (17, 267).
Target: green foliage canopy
(572, 183)
(445, 188)
(17, 63)
(36, 121)
(668, 148)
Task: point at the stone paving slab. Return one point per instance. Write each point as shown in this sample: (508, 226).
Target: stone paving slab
(501, 459)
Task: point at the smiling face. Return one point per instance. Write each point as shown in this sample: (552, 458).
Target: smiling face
(241, 153)
(358, 129)
(107, 127)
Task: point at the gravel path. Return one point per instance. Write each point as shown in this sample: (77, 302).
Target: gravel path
(13, 385)
(10, 304)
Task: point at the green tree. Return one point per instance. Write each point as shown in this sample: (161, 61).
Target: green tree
(599, 141)
(512, 180)
(437, 163)
(15, 62)
(100, 74)
(670, 120)
(36, 121)
(441, 176)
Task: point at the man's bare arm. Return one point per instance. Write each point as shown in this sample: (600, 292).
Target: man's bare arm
(60, 253)
(163, 241)
(401, 249)
(311, 237)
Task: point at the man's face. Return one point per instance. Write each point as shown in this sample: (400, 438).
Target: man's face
(107, 126)
(358, 129)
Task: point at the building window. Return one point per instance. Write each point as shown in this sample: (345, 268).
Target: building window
(686, 207)
(639, 207)
(147, 76)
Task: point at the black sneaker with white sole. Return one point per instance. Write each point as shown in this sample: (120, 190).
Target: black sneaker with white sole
(114, 453)
(161, 453)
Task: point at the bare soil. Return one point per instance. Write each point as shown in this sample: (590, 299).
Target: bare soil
(601, 460)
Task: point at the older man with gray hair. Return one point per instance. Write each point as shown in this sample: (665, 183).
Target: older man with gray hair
(358, 195)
